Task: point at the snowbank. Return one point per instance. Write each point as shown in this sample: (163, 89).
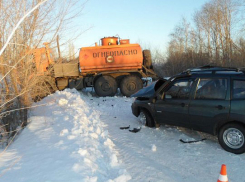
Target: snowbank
(65, 141)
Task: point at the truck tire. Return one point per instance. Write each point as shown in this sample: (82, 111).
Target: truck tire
(105, 86)
(130, 84)
(147, 59)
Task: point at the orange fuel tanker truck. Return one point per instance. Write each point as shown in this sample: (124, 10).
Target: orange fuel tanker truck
(113, 64)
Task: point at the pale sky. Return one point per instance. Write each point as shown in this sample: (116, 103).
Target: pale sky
(148, 22)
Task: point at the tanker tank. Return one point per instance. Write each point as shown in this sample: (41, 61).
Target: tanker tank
(111, 55)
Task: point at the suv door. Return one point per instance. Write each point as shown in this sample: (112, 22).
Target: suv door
(210, 104)
(173, 108)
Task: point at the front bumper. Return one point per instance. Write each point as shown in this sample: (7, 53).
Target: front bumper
(135, 109)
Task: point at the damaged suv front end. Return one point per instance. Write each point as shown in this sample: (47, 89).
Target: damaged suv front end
(143, 100)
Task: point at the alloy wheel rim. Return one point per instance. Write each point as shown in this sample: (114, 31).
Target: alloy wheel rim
(233, 138)
(142, 118)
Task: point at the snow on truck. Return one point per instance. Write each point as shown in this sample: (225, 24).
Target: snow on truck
(113, 64)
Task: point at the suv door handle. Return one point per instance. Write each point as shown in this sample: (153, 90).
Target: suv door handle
(220, 107)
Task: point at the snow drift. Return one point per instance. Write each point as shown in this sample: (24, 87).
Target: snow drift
(65, 141)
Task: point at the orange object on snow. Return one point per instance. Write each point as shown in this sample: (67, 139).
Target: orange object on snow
(223, 175)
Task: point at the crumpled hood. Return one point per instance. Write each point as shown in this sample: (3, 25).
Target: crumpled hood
(146, 92)
(150, 90)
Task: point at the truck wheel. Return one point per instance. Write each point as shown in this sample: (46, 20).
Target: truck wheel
(232, 138)
(105, 86)
(130, 84)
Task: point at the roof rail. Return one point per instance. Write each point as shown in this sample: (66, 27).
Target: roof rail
(213, 69)
(241, 69)
(207, 66)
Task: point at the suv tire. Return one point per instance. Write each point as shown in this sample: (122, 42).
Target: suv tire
(146, 118)
(232, 138)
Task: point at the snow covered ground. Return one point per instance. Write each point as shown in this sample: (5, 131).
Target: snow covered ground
(76, 137)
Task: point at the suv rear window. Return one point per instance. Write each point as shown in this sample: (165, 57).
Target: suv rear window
(211, 88)
(238, 90)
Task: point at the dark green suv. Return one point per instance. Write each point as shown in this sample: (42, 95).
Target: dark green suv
(208, 99)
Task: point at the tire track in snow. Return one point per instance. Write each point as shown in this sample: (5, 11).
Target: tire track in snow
(137, 161)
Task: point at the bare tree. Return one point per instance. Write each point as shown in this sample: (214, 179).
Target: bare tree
(211, 40)
(18, 75)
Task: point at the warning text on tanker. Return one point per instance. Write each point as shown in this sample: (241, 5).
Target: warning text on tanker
(114, 53)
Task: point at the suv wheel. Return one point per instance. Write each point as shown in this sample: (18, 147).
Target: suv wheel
(232, 138)
(146, 118)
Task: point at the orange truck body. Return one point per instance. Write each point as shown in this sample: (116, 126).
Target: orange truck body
(111, 56)
(114, 64)
(43, 58)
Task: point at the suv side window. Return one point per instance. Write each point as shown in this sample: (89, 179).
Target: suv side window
(179, 90)
(211, 88)
(238, 89)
